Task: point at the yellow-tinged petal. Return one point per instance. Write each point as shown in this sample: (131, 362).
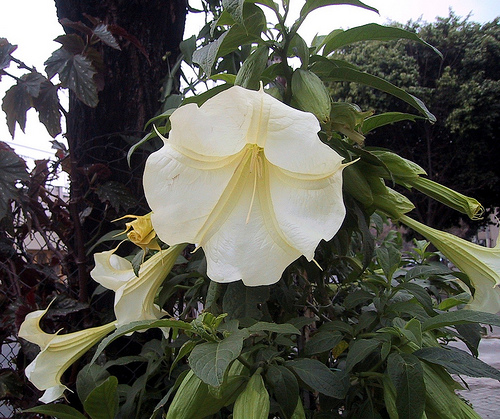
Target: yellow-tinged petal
(294, 201)
(247, 178)
(140, 231)
(58, 352)
(481, 264)
(134, 295)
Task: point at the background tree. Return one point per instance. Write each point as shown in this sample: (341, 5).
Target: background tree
(463, 92)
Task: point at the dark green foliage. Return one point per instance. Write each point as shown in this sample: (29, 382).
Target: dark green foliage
(462, 90)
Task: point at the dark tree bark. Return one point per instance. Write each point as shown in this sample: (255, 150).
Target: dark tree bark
(100, 137)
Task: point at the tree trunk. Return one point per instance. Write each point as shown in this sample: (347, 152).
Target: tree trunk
(99, 138)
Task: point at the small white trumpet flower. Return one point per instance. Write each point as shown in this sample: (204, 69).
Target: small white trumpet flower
(481, 264)
(134, 295)
(246, 178)
(58, 352)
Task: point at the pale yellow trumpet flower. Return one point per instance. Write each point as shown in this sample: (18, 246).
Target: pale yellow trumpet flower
(246, 178)
(481, 264)
(58, 352)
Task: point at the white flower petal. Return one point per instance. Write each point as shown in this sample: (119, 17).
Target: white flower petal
(254, 252)
(111, 271)
(217, 128)
(31, 331)
(295, 200)
(52, 393)
(172, 182)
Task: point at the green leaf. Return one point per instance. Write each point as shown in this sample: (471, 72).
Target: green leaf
(427, 270)
(12, 170)
(210, 360)
(284, 328)
(187, 47)
(314, 4)
(240, 301)
(232, 39)
(251, 70)
(358, 351)
(299, 48)
(389, 259)
(322, 342)
(102, 402)
(117, 194)
(134, 327)
(76, 72)
(457, 361)
(357, 297)
(285, 387)
(59, 411)
(319, 377)
(407, 375)
(376, 121)
(88, 378)
(351, 75)
(460, 317)
(235, 9)
(419, 293)
(372, 32)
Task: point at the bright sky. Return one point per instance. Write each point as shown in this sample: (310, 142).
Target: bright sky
(32, 25)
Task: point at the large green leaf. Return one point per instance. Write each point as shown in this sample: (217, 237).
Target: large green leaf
(319, 377)
(240, 301)
(285, 387)
(285, 328)
(351, 75)
(460, 317)
(371, 32)
(210, 360)
(76, 72)
(386, 118)
(102, 402)
(12, 170)
(136, 326)
(359, 350)
(322, 342)
(407, 374)
(58, 411)
(457, 361)
(314, 4)
(90, 377)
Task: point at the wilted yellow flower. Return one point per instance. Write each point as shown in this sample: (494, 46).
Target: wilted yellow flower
(58, 352)
(134, 295)
(247, 178)
(481, 264)
(141, 232)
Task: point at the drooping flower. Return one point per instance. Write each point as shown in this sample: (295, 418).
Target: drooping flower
(140, 231)
(247, 178)
(134, 295)
(58, 352)
(481, 264)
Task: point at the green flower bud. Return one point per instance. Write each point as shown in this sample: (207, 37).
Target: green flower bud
(311, 94)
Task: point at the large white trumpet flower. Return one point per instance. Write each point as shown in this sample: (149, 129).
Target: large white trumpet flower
(481, 264)
(57, 353)
(246, 178)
